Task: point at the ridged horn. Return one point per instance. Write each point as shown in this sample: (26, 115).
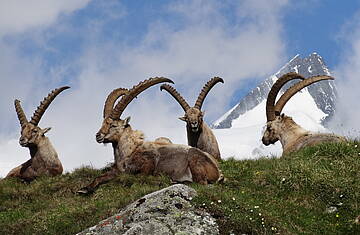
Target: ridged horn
(20, 113)
(296, 88)
(270, 102)
(110, 100)
(133, 92)
(205, 90)
(35, 119)
(176, 95)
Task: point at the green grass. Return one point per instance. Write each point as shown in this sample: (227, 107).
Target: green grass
(289, 195)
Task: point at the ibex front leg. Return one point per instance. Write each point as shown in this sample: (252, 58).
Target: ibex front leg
(107, 176)
(19, 170)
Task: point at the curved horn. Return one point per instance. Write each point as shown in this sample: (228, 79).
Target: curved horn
(35, 119)
(176, 95)
(20, 113)
(296, 88)
(270, 102)
(205, 90)
(133, 92)
(110, 100)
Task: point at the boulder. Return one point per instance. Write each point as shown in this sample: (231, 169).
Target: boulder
(167, 211)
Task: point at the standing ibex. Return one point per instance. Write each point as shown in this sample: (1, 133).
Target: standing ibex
(44, 159)
(134, 155)
(283, 128)
(199, 134)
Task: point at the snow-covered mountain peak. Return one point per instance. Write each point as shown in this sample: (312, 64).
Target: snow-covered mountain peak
(323, 93)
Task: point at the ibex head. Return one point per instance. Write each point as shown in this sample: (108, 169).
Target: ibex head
(276, 120)
(193, 115)
(31, 134)
(113, 126)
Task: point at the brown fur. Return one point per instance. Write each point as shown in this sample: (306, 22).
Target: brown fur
(199, 134)
(292, 136)
(44, 159)
(134, 155)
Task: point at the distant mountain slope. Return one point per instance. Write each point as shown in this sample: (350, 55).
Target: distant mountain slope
(323, 93)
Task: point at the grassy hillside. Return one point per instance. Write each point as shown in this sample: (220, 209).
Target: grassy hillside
(314, 191)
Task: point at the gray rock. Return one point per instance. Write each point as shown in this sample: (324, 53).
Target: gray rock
(167, 211)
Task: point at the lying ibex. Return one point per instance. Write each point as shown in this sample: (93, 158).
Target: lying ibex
(44, 159)
(134, 155)
(199, 134)
(283, 128)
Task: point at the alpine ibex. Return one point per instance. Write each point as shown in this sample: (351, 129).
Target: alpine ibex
(283, 128)
(44, 159)
(199, 134)
(134, 155)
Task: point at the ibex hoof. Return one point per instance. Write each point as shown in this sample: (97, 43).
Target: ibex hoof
(85, 191)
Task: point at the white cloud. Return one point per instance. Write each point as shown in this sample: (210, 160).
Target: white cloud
(190, 55)
(17, 16)
(347, 75)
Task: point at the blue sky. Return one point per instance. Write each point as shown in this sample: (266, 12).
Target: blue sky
(96, 46)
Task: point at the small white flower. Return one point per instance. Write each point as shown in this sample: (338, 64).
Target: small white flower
(259, 214)
(233, 199)
(341, 196)
(251, 210)
(263, 222)
(219, 201)
(212, 203)
(283, 179)
(355, 145)
(256, 207)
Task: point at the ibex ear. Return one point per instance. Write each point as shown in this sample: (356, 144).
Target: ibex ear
(126, 121)
(282, 115)
(43, 131)
(183, 118)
